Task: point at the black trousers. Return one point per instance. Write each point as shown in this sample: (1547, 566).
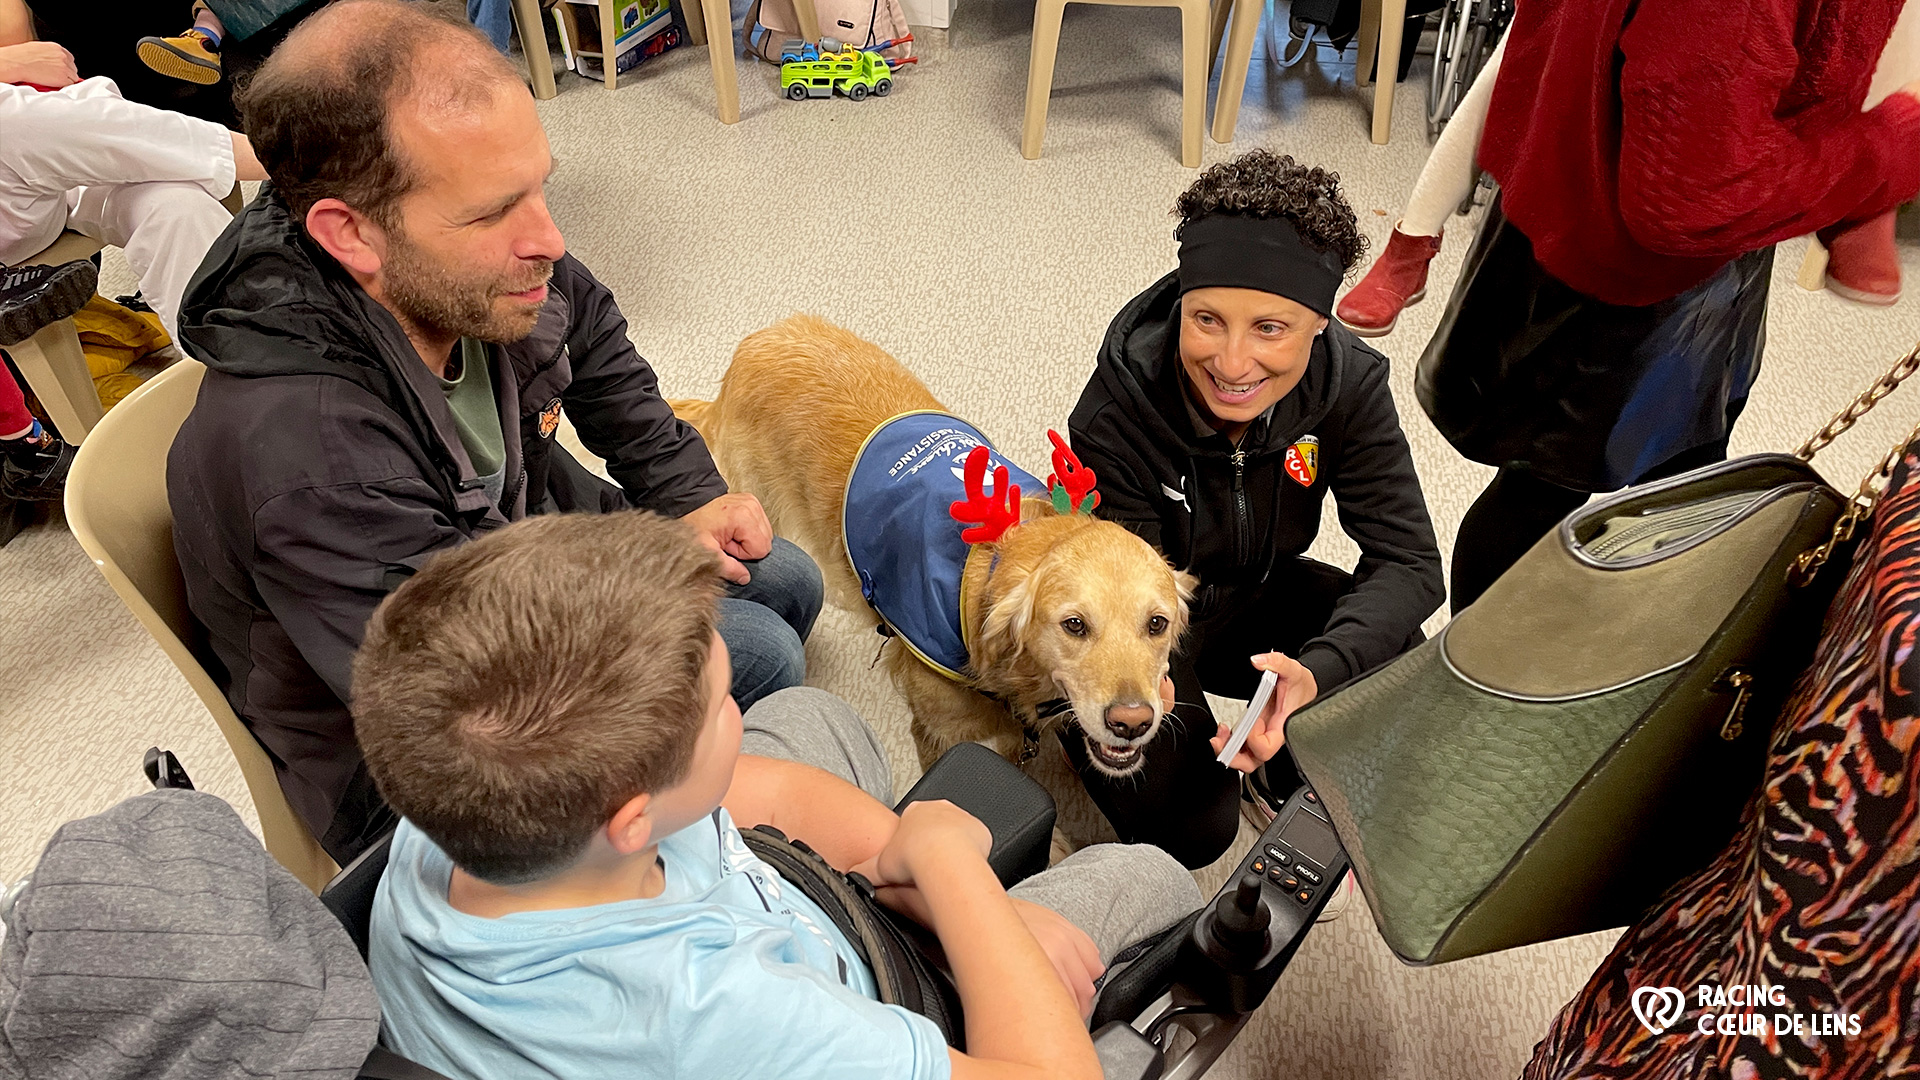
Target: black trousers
(1181, 799)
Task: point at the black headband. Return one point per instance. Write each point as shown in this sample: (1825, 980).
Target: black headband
(1267, 254)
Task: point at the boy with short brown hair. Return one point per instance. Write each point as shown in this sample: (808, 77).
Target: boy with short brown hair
(569, 895)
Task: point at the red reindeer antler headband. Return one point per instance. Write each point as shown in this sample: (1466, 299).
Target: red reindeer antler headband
(1071, 482)
(995, 513)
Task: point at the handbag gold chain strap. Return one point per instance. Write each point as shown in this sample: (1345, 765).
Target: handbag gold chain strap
(1861, 505)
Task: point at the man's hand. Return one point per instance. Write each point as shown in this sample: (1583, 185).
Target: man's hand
(41, 63)
(1294, 689)
(735, 527)
(931, 829)
(1075, 957)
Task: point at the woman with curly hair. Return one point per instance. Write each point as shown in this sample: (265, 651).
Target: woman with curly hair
(1224, 407)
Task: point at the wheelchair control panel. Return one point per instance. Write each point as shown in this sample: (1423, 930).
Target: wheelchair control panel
(1217, 968)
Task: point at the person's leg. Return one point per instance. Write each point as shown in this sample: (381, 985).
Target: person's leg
(815, 728)
(192, 56)
(766, 621)
(786, 582)
(166, 230)
(1398, 277)
(1117, 893)
(1510, 516)
(1451, 170)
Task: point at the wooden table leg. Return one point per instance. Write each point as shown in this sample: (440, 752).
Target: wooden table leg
(1393, 25)
(533, 42)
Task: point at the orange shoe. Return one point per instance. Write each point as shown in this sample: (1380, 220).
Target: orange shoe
(1862, 263)
(192, 57)
(1397, 279)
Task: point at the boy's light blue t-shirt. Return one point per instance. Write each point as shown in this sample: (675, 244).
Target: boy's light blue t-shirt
(729, 972)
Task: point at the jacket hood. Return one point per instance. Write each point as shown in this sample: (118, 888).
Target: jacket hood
(1139, 369)
(268, 301)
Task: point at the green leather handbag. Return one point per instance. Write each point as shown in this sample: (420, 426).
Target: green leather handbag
(1592, 728)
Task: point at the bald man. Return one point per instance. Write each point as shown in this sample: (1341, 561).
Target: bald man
(392, 331)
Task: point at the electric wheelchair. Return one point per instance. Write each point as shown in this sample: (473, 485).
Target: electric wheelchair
(1168, 1006)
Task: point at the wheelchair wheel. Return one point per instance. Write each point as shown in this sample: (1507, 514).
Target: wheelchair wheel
(1469, 30)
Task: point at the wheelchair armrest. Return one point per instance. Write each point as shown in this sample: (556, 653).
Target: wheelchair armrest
(384, 1064)
(350, 894)
(1017, 810)
(1125, 1054)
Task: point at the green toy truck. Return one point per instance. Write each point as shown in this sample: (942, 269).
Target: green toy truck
(855, 74)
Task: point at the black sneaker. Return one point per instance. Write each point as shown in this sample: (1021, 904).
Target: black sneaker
(34, 469)
(34, 296)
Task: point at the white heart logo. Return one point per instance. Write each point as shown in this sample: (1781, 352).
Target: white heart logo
(1658, 1007)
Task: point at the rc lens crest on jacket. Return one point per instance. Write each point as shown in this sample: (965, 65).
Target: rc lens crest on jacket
(1303, 460)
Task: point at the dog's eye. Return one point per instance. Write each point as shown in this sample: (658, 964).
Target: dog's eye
(1156, 626)
(1074, 625)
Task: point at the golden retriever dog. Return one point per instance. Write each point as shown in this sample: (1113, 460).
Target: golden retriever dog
(1064, 615)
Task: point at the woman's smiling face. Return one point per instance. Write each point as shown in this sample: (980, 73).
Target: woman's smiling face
(1243, 350)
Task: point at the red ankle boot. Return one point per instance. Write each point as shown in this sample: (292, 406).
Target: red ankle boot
(1397, 278)
(1862, 263)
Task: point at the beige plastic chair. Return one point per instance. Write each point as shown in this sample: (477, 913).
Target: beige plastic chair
(1382, 28)
(117, 508)
(52, 360)
(1201, 22)
(709, 21)
(1383, 24)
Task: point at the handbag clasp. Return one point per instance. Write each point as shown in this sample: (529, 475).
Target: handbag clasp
(1740, 682)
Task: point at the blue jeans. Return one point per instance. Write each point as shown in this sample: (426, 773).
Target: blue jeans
(765, 622)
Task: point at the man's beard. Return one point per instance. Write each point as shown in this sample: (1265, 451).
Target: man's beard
(439, 299)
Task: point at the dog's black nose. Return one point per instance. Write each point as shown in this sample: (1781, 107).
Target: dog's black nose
(1129, 721)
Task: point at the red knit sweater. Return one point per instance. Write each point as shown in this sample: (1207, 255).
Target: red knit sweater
(1641, 145)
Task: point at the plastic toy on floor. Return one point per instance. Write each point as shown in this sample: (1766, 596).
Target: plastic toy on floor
(855, 73)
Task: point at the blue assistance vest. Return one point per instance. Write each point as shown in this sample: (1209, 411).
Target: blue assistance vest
(901, 539)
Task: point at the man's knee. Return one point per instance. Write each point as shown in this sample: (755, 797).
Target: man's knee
(787, 583)
(767, 653)
(816, 728)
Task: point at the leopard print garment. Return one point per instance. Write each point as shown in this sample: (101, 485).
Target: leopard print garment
(1819, 894)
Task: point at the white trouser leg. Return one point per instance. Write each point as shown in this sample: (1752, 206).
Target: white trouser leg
(1448, 176)
(165, 227)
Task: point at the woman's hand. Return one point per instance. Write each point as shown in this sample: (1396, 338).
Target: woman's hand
(41, 63)
(1294, 688)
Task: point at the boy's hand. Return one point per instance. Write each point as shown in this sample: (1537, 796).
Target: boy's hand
(1294, 689)
(1075, 957)
(934, 829)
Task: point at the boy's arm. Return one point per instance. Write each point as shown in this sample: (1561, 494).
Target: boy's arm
(1021, 1025)
(844, 824)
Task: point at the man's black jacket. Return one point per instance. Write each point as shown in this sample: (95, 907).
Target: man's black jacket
(1229, 519)
(321, 467)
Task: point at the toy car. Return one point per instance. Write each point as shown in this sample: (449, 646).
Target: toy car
(855, 76)
(794, 50)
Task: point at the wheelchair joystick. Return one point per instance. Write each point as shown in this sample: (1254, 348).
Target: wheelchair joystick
(1237, 926)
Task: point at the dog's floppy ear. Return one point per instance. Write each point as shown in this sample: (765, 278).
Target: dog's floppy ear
(1005, 626)
(1184, 585)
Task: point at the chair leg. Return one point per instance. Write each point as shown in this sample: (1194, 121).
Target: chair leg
(1046, 42)
(696, 15)
(1194, 16)
(1369, 39)
(533, 42)
(1813, 266)
(56, 370)
(1233, 76)
(1216, 28)
(721, 55)
(1393, 26)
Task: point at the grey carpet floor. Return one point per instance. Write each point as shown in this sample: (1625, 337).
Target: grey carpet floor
(914, 221)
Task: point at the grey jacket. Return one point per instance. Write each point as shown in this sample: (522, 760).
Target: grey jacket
(159, 940)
